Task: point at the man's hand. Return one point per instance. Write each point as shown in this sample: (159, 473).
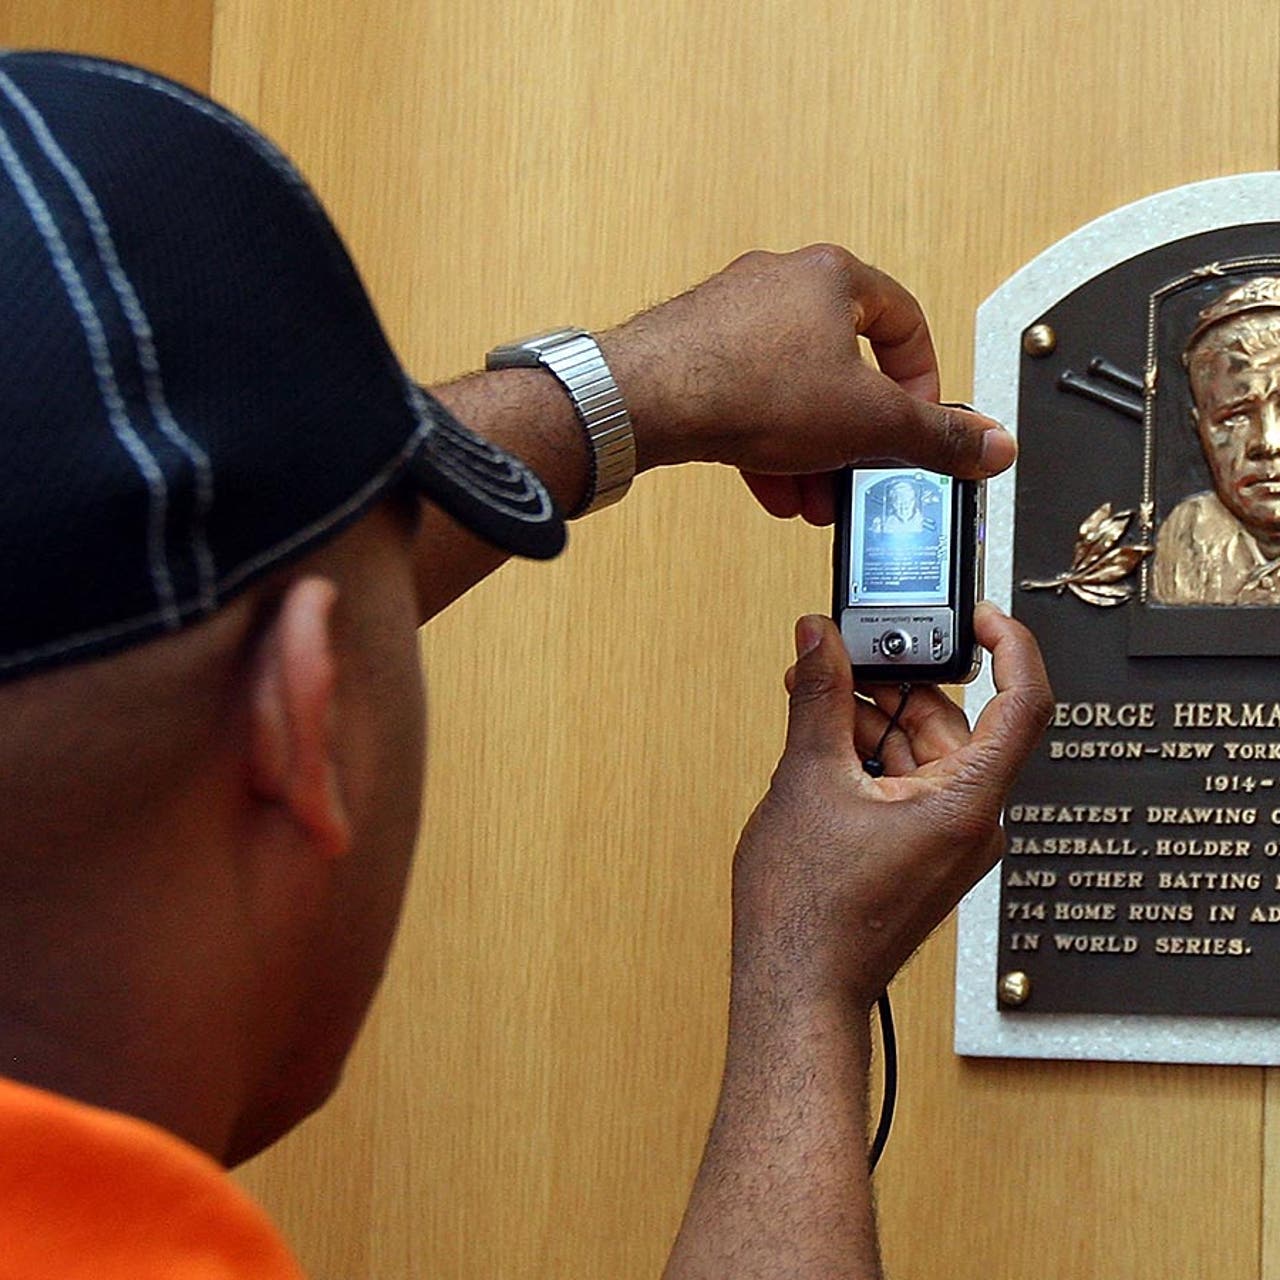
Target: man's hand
(759, 367)
(840, 876)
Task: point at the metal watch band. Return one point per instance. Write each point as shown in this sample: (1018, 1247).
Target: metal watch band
(575, 358)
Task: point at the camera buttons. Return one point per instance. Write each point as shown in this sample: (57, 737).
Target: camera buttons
(895, 644)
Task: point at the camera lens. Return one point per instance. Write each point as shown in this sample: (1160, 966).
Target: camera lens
(893, 644)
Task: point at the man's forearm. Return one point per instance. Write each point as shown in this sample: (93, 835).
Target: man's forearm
(784, 1188)
(528, 414)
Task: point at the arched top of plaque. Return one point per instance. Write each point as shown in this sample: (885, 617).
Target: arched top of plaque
(1243, 200)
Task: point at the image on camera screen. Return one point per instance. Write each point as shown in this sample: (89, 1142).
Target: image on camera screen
(901, 525)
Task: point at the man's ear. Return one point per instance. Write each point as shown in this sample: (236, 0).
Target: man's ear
(292, 708)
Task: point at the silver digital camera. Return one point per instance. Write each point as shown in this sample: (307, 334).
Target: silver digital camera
(908, 564)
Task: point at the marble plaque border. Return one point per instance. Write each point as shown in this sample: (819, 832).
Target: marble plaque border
(980, 1029)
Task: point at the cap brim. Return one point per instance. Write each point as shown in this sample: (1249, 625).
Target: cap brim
(492, 493)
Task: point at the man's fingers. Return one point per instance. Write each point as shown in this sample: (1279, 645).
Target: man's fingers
(817, 498)
(821, 715)
(935, 724)
(891, 320)
(779, 495)
(893, 424)
(950, 440)
(813, 497)
(1012, 722)
(896, 752)
(930, 727)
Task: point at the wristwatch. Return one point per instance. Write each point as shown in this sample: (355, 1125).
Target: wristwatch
(575, 358)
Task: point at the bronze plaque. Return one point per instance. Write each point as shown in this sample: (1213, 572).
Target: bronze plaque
(1143, 868)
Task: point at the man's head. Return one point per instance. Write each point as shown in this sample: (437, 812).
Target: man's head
(205, 847)
(210, 709)
(1233, 363)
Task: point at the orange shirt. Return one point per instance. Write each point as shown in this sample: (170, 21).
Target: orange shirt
(87, 1194)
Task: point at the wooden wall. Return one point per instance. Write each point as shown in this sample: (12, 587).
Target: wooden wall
(530, 1096)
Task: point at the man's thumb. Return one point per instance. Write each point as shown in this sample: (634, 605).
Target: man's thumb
(948, 438)
(821, 689)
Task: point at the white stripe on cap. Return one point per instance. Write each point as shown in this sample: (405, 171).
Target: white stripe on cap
(104, 371)
(139, 324)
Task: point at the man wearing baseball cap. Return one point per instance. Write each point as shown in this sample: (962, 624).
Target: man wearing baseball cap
(225, 509)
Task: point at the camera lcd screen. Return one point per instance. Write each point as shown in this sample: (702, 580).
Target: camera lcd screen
(900, 523)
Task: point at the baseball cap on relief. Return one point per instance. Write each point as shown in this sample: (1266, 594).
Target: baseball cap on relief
(195, 386)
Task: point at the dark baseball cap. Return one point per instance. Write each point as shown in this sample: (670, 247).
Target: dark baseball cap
(194, 387)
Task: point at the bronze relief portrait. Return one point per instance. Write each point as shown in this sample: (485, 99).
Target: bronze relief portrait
(1221, 546)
